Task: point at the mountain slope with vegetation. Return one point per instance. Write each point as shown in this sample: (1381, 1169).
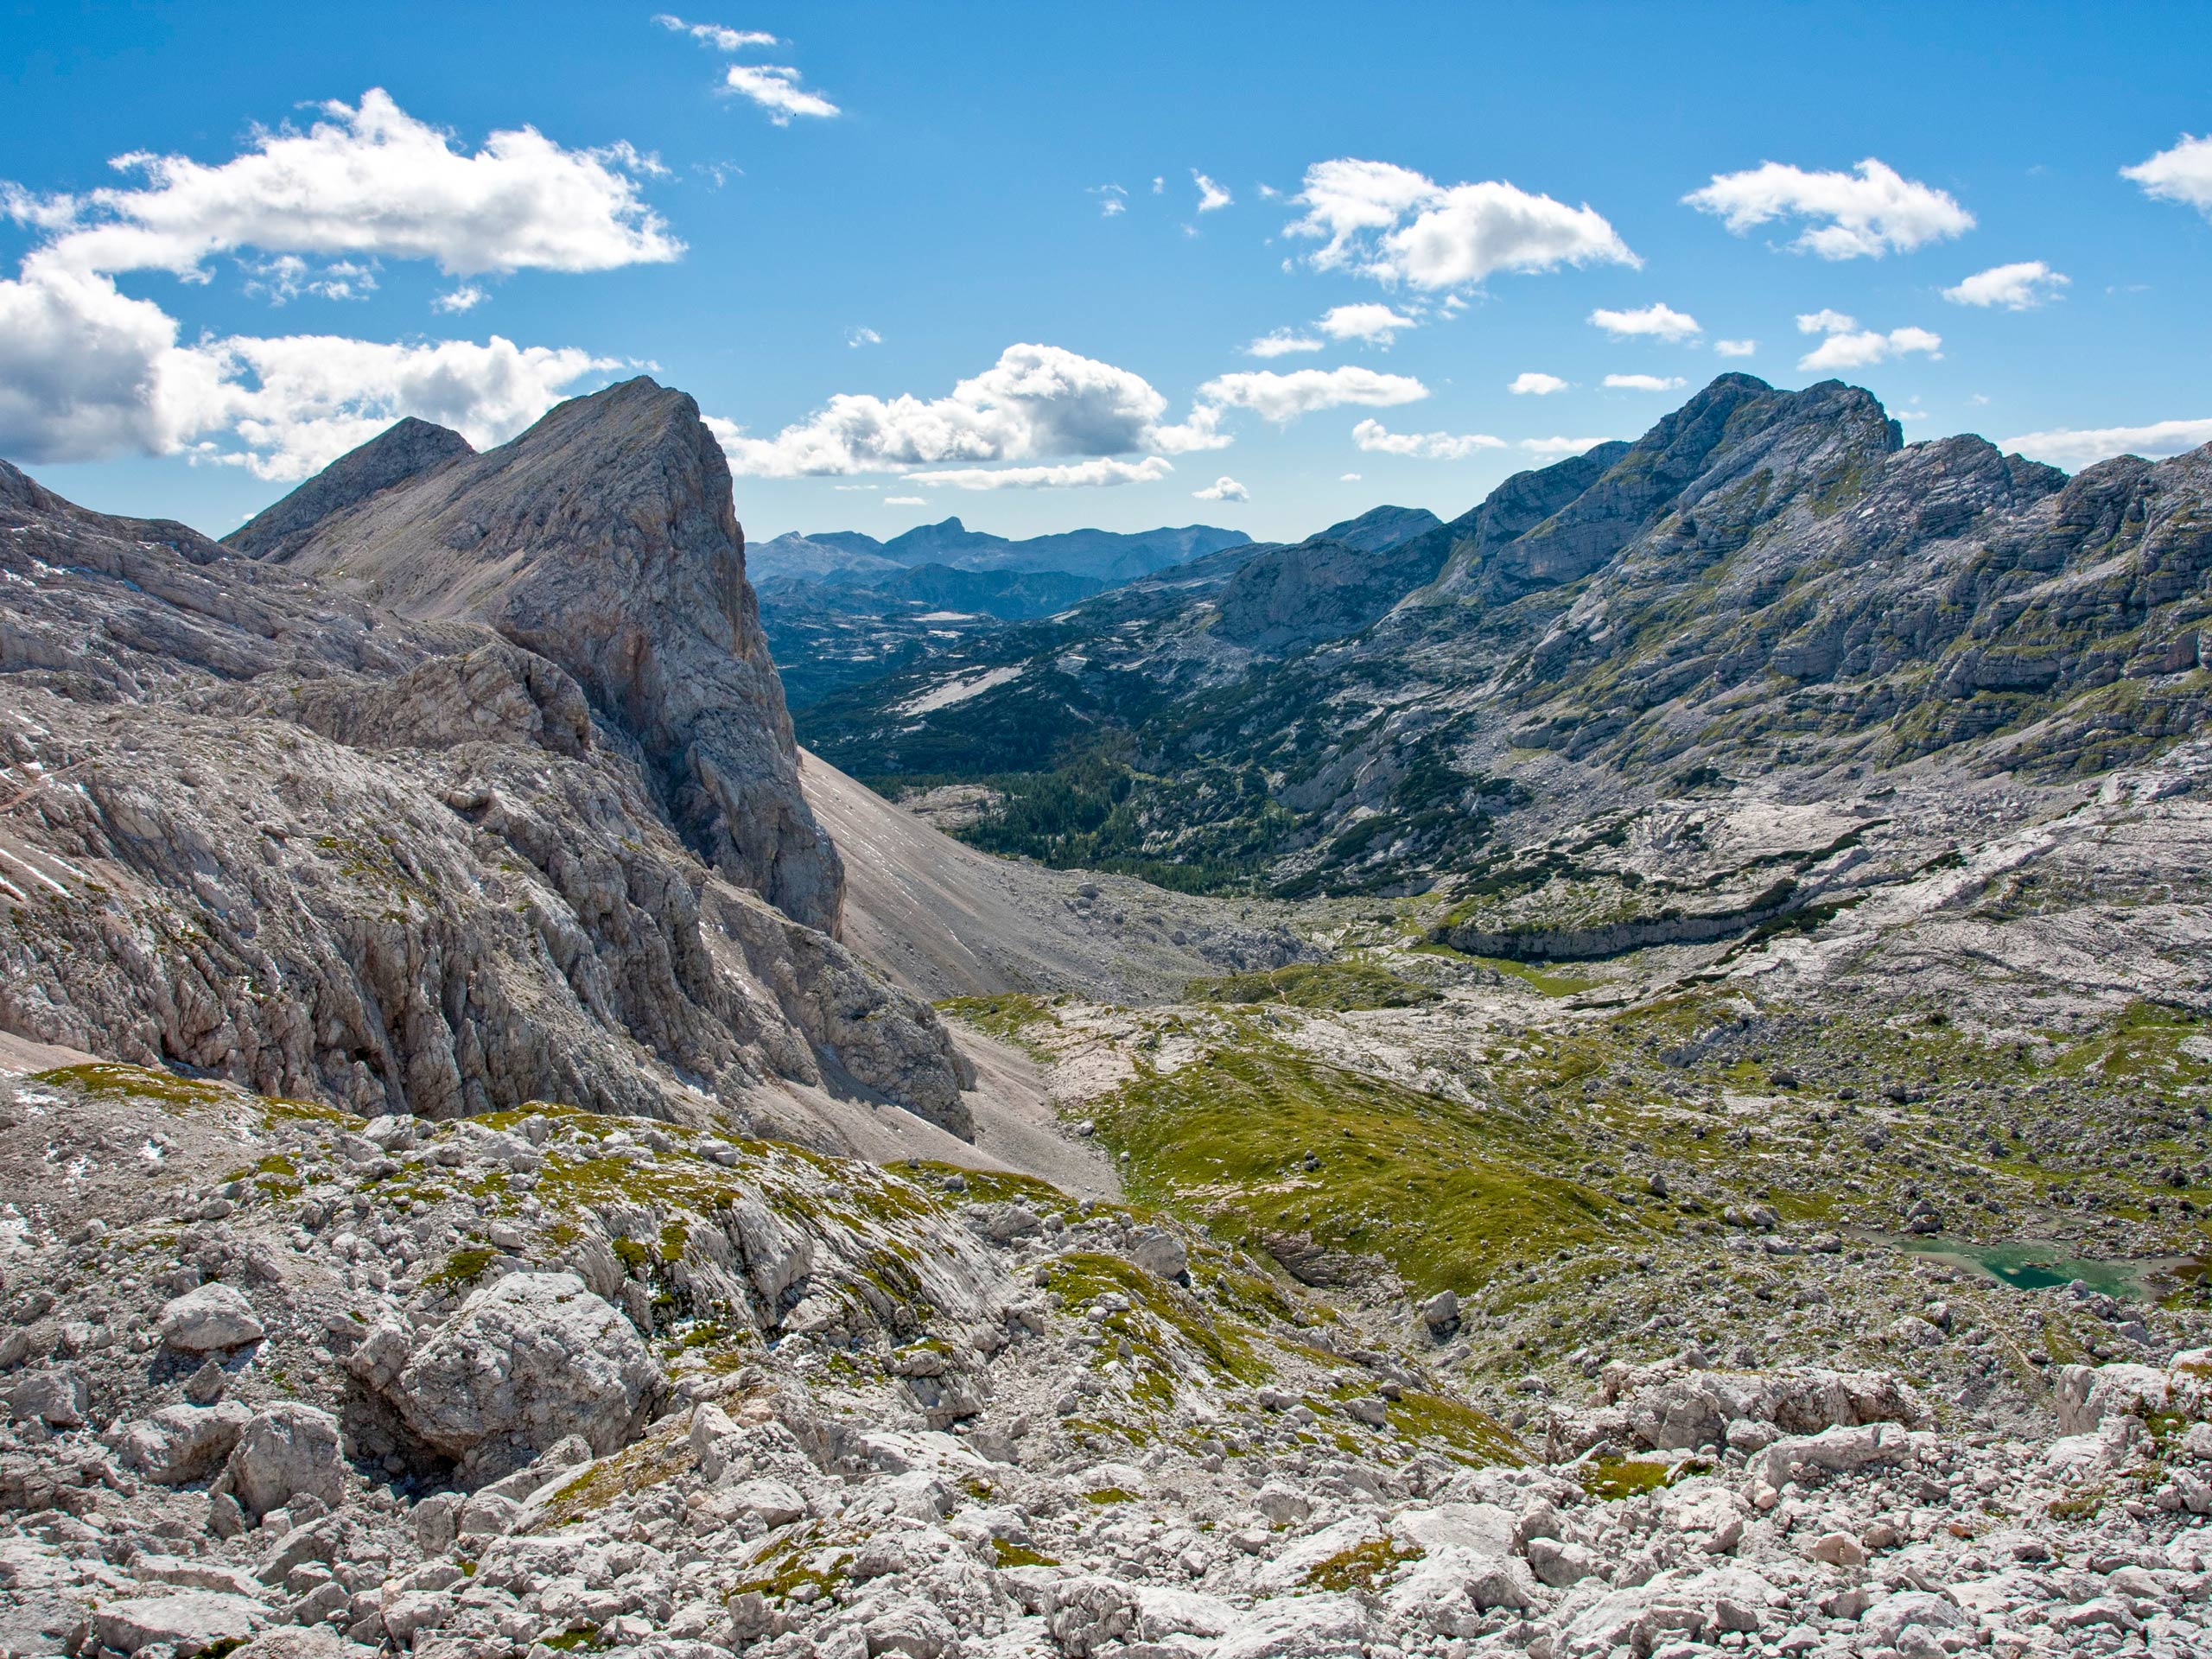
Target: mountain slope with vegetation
(1768, 585)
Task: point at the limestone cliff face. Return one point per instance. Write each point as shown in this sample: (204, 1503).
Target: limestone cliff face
(264, 828)
(405, 449)
(604, 539)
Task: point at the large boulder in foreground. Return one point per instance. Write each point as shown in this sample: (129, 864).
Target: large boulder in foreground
(282, 1451)
(209, 1318)
(526, 1361)
(187, 1623)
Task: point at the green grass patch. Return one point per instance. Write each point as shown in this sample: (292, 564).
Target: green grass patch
(1007, 1018)
(1474, 1437)
(650, 1462)
(1363, 1568)
(1608, 1479)
(1538, 977)
(1157, 1316)
(1447, 1194)
(1334, 987)
(463, 1267)
(104, 1080)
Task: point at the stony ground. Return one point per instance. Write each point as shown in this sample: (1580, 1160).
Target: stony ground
(1450, 1304)
(544, 1381)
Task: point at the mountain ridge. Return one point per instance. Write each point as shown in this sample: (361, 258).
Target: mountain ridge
(605, 539)
(413, 815)
(1766, 581)
(1104, 555)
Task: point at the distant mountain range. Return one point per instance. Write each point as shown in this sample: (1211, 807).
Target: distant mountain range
(1768, 583)
(1103, 556)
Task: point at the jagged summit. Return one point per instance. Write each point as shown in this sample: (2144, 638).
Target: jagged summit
(405, 449)
(605, 539)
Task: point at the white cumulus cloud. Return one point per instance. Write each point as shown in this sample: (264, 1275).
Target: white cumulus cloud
(2079, 446)
(1561, 448)
(774, 86)
(367, 180)
(1224, 489)
(2019, 286)
(285, 276)
(1644, 382)
(857, 338)
(1283, 397)
(904, 500)
(298, 403)
(1867, 212)
(1211, 195)
(713, 34)
(1531, 383)
(1035, 403)
(1112, 199)
(88, 372)
(1735, 348)
(1653, 322)
(1372, 434)
(1081, 475)
(1282, 343)
(2182, 174)
(1378, 324)
(1396, 225)
(1849, 346)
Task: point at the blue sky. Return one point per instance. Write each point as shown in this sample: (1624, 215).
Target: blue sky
(302, 262)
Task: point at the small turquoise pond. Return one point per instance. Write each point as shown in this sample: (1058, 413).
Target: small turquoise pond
(2032, 1265)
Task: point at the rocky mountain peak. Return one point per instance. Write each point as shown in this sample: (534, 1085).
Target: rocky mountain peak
(1381, 527)
(606, 538)
(1739, 436)
(405, 449)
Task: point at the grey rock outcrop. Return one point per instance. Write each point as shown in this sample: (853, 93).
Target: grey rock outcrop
(58, 1396)
(525, 1362)
(284, 1452)
(181, 1443)
(184, 1624)
(209, 1318)
(604, 539)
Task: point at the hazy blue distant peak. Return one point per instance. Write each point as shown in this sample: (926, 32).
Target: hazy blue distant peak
(1102, 555)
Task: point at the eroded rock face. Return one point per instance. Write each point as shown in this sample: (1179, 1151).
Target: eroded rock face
(181, 1443)
(525, 1362)
(604, 539)
(461, 870)
(1686, 1410)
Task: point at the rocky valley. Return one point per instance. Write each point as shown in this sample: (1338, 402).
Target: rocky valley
(1628, 1072)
